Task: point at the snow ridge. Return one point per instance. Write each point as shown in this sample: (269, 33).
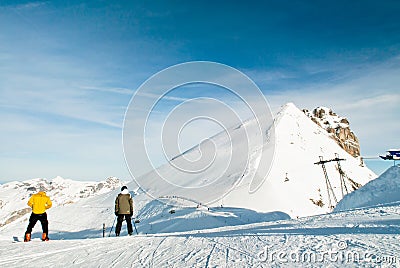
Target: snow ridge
(385, 189)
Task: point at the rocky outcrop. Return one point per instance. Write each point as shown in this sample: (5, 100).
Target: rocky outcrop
(338, 128)
(15, 215)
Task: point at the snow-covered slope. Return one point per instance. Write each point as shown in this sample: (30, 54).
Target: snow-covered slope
(157, 217)
(15, 195)
(198, 237)
(85, 218)
(295, 185)
(385, 189)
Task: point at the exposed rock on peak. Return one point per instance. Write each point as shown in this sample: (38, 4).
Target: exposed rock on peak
(338, 127)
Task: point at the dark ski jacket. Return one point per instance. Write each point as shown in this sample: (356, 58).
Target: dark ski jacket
(124, 203)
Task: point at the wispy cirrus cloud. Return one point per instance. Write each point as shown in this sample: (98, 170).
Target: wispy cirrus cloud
(24, 6)
(165, 97)
(30, 5)
(116, 90)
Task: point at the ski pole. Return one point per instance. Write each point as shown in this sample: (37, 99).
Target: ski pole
(134, 224)
(112, 226)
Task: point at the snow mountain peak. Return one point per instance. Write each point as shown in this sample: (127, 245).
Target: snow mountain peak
(294, 184)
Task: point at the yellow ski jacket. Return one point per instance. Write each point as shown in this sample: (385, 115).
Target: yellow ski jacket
(39, 203)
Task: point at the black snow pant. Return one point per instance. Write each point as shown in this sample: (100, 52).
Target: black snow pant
(120, 219)
(38, 217)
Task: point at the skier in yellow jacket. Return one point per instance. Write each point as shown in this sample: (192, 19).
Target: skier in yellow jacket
(39, 202)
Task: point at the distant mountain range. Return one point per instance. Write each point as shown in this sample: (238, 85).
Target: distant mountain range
(14, 195)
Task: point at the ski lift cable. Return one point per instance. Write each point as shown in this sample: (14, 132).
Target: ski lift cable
(370, 157)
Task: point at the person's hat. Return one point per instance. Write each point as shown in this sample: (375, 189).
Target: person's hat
(123, 188)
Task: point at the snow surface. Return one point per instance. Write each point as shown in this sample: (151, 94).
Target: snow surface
(204, 237)
(385, 189)
(360, 238)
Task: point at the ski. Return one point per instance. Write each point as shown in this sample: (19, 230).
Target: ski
(17, 239)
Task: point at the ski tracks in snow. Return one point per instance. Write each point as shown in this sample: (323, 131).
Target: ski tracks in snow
(209, 256)
(155, 251)
(19, 258)
(234, 250)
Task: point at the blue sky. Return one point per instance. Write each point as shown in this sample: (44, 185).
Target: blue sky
(69, 68)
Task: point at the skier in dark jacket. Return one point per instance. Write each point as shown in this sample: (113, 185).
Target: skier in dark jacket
(124, 209)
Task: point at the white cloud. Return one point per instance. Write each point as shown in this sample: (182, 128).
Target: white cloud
(165, 97)
(28, 6)
(375, 101)
(123, 91)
